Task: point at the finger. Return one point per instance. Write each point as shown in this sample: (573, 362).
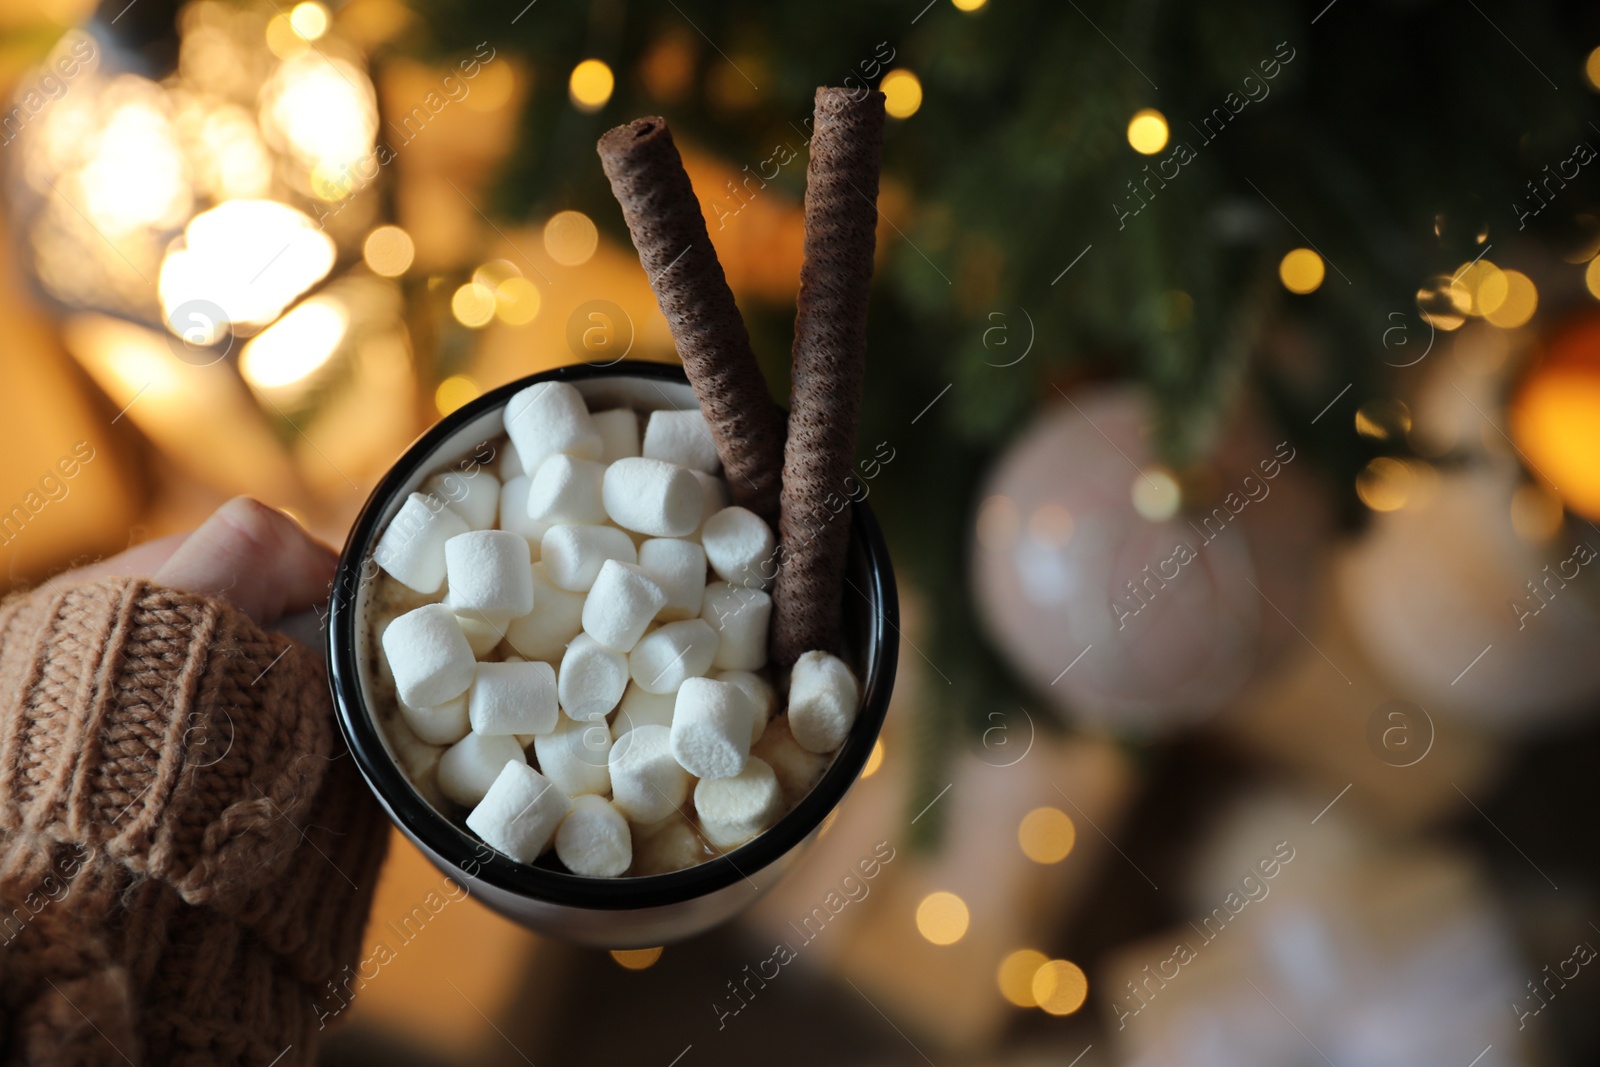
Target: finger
(256, 558)
(140, 561)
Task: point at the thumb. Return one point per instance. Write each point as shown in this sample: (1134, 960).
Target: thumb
(256, 558)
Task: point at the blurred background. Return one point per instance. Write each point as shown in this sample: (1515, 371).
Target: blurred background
(1240, 369)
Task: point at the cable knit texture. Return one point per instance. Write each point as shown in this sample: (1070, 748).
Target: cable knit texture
(187, 854)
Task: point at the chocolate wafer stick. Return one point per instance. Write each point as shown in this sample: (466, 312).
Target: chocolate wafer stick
(830, 348)
(659, 205)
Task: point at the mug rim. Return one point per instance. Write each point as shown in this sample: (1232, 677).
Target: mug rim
(444, 839)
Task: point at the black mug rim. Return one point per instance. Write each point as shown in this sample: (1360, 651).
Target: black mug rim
(477, 860)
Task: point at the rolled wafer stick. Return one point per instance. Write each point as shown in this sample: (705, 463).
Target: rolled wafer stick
(830, 347)
(659, 205)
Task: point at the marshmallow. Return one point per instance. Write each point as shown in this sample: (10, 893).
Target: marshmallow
(481, 634)
(620, 605)
(490, 576)
(592, 679)
(510, 465)
(514, 512)
(711, 728)
(513, 698)
(681, 437)
(576, 756)
(430, 658)
(739, 615)
(663, 658)
(412, 546)
(739, 547)
(669, 845)
(733, 810)
(547, 418)
(619, 433)
(679, 568)
(641, 708)
(594, 840)
(442, 725)
(470, 766)
(762, 697)
(797, 769)
(475, 497)
(556, 619)
(652, 497)
(519, 813)
(573, 555)
(823, 698)
(714, 496)
(647, 783)
(565, 489)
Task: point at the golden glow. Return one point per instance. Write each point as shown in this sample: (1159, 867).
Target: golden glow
(1147, 131)
(902, 93)
(1591, 277)
(1591, 69)
(1521, 300)
(1050, 526)
(1046, 835)
(1301, 271)
(245, 260)
(389, 251)
(1383, 420)
(590, 85)
(1555, 420)
(1156, 495)
(571, 238)
(942, 918)
(473, 305)
(1015, 976)
(292, 348)
(968, 5)
(998, 523)
(1060, 987)
(636, 959)
(517, 301)
(309, 20)
(1485, 284)
(1385, 484)
(1535, 513)
(874, 759)
(454, 391)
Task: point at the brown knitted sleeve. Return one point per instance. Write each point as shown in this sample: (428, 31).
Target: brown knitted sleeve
(186, 853)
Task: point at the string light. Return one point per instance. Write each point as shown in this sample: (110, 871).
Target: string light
(942, 918)
(1301, 271)
(590, 85)
(1015, 976)
(636, 959)
(1147, 131)
(1060, 987)
(902, 92)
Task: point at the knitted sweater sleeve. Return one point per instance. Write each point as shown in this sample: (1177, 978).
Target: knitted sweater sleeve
(187, 853)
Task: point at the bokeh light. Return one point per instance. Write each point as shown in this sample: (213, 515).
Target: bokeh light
(1015, 976)
(1060, 987)
(571, 238)
(902, 93)
(1046, 835)
(590, 85)
(942, 918)
(1147, 131)
(1301, 271)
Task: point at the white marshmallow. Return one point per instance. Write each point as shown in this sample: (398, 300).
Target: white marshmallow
(681, 437)
(430, 657)
(739, 546)
(647, 783)
(481, 634)
(619, 433)
(711, 728)
(510, 465)
(475, 497)
(620, 605)
(490, 575)
(679, 568)
(592, 679)
(739, 615)
(565, 489)
(823, 698)
(514, 512)
(594, 840)
(573, 555)
(442, 725)
(547, 418)
(470, 766)
(520, 812)
(714, 496)
(797, 769)
(412, 546)
(663, 658)
(513, 698)
(576, 756)
(556, 619)
(762, 696)
(733, 810)
(641, 708)
(669, 845)
(652, 497)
